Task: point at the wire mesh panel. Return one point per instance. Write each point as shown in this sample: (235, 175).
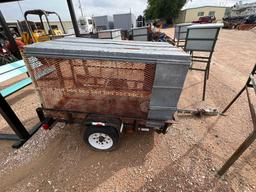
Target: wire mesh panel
(132, 80)
(95, 86)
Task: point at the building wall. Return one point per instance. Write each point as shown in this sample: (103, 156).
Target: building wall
(192, 14)
(189, 15)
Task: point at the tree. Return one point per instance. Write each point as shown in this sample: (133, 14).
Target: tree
(163, 9)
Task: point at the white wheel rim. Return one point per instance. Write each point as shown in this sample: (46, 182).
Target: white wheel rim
(100, 141)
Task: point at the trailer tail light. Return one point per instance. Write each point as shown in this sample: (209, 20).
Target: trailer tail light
(48, 123)
(45, 126)
(99, 124)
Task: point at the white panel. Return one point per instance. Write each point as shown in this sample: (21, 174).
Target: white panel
(199, 45)
(105, 35)
(115, 34)
(182, 36)
(140, 31)
(181, 28)
(140, 38)
(117, 38)
(206, 26)
(202, 33)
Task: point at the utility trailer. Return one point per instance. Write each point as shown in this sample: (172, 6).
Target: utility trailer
(108, 85)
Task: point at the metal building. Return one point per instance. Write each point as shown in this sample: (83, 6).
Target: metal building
(192, 14)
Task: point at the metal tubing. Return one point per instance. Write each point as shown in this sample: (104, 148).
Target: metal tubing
(73, 17)
(252, 110)
(198, 57)
(13, 121)
(240, 92)
(235, 98)
(197, 69)
(8, 33)
(201, 61)
(30, 30)
(48, 23)
(40, 114)
(249, 140)
(64, 31)
(253, 83)
(204, 89)
(209, 64)
(178, 43)
(9, 137)
(42, 24)
(237, 153)
(19, 143)
(192, 61)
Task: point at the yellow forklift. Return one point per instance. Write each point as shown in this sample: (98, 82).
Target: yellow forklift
(33, 32)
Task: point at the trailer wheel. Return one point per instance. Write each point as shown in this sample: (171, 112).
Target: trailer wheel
(101, 138)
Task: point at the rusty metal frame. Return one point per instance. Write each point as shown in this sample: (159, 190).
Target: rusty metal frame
(252, 137)
(22, 135)
(135, 122)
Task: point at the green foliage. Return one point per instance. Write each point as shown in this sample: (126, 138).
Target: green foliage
(163, 9)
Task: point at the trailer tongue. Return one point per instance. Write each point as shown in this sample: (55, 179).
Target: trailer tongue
(108, 85)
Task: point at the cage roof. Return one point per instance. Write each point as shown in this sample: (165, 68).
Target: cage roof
(72, 47)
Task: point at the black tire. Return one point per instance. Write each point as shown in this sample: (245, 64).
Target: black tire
(110, 135)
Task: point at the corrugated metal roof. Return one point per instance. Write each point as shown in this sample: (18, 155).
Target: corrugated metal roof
(108, 50)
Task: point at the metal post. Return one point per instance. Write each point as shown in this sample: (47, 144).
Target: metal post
(42, 24)
(73, 17)
(40, 114)
(245, 145)
(48, 23)
(240, 92)
(209, 65)
(252, 137)
(210, 56)
(64, 31)
(235, 98)
(205, 82)
(178, 42)
(13, 121)
(237, 153)
(8, 33)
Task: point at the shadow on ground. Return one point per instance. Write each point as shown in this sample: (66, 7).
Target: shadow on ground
(67, 162)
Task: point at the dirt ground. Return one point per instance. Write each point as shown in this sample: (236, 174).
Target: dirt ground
(185, 159)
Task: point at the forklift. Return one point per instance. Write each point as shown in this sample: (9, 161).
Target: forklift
(33, 32)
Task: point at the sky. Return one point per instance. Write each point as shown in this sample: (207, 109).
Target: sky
(12, 12)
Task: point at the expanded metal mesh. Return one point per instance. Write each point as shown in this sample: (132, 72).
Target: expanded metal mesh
(96, 86)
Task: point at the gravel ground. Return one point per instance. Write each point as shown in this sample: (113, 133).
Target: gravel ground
(185, 159)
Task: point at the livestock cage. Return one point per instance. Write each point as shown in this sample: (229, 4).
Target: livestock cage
(108, 84)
